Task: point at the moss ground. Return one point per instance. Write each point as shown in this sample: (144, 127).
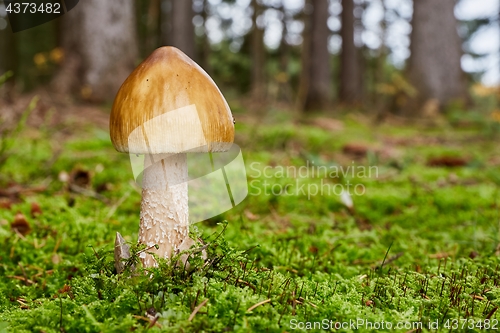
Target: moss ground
(420, 244)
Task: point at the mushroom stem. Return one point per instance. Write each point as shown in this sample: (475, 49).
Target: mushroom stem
(164, 207)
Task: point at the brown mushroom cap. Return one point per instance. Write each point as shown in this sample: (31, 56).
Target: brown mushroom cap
(169, 104)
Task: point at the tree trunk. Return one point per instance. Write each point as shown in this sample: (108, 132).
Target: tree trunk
(205, 49)
(285, 93)
(383, 49)
(8, 61)
(351, 88)
(434, 66)
(100, 44)
(7, 57)
(258, 55)
(152, 27)
(315, 88)
(177, 26)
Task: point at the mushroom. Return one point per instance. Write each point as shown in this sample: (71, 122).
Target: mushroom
(168, 107)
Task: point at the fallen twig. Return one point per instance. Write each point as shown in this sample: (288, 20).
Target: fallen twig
(87, 192)
(258, 304)
(113, 209)
(152, 322)
(195, 311)
(21, 278)
(389, 260)
(16, 190)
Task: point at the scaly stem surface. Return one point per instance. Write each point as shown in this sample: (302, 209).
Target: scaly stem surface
(164, 208)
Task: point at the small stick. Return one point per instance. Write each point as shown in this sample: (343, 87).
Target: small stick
(113, 209)
(88, 193)
(195, 311)
(20, 278)
(258, 304)
(152, 323)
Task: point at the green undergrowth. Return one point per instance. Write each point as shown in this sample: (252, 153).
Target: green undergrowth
(420, 244)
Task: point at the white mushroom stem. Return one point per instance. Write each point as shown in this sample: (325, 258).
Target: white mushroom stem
(164, 207)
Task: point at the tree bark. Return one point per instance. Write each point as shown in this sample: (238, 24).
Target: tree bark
(177, 26)
(152, 38)
(8, 60)
(7, 44)
(315, 88)
(284, 89)
(351, 88)
(205, 49)
(100, 44)
(258, 55)
(434, 66)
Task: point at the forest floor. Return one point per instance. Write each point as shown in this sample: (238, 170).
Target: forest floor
(417, 241)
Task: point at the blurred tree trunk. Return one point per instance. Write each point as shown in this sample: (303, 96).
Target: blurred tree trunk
(205, 48)
(7, 45)
(351, 88)
(284, 89)
(434, 67)
(377, 98)
(314, 91)
(152, 27)
(305, 58)
(178, 28)
(258, 54)
(100, 47)
(8, 60)
(383, 49)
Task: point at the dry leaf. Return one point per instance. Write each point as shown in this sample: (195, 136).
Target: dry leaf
(104, 187)
(440, 255)
(122, 252)
(5, 203)
(447, 161)
(313, 249)
(251, 216)
(473, 254)
(35, 209)
(64, 289)
(20, 224)
(81, 178)
(56, 259)
(363, 224)
(356, 149)
(328, 124)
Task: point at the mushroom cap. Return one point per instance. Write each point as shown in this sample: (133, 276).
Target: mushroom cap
(169, 104)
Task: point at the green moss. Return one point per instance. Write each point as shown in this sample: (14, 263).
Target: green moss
(306, 253)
